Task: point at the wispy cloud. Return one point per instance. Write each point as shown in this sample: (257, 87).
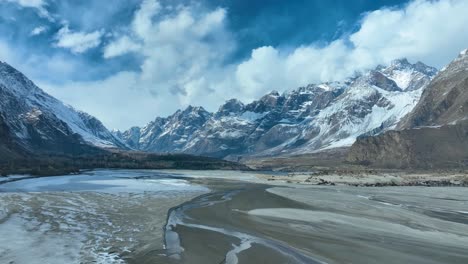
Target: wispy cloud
(39, 5)
(77, 42)
(182, 54)
(120, 47)
(29, 3)
(180, 66)
(38, 30)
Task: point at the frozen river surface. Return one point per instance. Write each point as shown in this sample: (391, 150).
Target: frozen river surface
(96, 217)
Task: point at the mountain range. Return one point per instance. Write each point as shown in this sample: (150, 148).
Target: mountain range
(308, 119)
(41, 135)
(401, 115)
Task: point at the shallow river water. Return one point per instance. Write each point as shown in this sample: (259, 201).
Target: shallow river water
(141, 216)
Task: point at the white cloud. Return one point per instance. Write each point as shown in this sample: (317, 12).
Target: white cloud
(29, 3)
(142, 23)
(38, 30)
(77, 42)
(429, 31)
(184, 52)
(120, 46)
(182, 55)
(39, 5)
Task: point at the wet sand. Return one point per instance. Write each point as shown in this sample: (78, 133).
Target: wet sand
(326, 225)
(227, 217)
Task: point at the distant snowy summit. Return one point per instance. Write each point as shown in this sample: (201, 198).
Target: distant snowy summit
(307, 119)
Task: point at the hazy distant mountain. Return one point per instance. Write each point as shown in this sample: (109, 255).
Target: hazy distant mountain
(32, 120)
(303, 120)
(434, 134)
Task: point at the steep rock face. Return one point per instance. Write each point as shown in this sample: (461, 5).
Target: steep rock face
(8, 149)
(231, 107)
(433, 135)
(177, 130)
(378, 79)
(423, 148)
(131, 136)
(445, 101)
(304, 120)
(39, 122)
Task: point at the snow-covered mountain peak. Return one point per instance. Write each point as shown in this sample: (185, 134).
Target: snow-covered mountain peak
(15, 81)
(191, 112)
(408, 76)
(464, 52)
(273, 93)
(22, 98)
(230, 107)
(326, 86)
(462, 56)
(266, 103)
(400, 63)
(302, 120)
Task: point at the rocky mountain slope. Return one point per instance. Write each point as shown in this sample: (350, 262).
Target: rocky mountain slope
(433, 135)
(304, 120)
(33, 121)
(446, 100)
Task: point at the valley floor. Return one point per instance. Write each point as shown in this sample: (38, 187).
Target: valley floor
(370, 178)
(203, 217)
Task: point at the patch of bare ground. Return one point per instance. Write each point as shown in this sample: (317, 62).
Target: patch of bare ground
(330, 168)
(371, 178)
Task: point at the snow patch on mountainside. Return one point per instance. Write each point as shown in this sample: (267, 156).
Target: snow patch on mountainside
(402, 78)
(304, 120)
(22, 98)
(251, 116)
(400, 104)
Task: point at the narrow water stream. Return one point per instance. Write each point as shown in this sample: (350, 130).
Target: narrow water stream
(139, 217)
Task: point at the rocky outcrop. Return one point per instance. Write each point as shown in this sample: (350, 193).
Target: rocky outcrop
(445, 101)
(423, 148)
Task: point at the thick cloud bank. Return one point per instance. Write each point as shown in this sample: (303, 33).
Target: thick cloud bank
(185, 51)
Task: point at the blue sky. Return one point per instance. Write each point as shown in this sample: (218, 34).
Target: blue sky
(132, 60)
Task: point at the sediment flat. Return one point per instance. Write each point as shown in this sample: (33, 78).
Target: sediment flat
(328, 224)
(203, 217)
(368, 178)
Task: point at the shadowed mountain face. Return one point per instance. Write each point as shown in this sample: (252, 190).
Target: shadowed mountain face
(34, 122)
(433, 135)
(8, 149)
(304, 120)
(445, 101)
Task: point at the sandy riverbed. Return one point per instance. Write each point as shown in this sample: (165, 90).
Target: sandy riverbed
(227, 217)
(369, 179)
